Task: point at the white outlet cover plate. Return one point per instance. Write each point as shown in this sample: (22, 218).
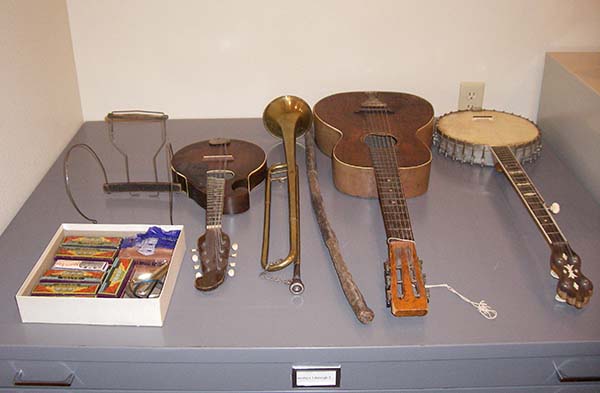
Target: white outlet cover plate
(470, 96)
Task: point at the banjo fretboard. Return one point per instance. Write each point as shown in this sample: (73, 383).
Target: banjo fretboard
(529, 194)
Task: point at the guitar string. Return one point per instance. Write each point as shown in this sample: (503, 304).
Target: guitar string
(398, 207)
(402, 208)
(393, 215)
(392, 152)
(385, 152)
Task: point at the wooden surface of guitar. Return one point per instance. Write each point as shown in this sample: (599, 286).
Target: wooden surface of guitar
(408, 297)
(341, 127)
(379, 145)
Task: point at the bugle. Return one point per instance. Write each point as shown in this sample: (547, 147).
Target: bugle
(286, 117)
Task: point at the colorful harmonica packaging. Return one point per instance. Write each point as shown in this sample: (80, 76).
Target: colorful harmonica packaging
(100, 266)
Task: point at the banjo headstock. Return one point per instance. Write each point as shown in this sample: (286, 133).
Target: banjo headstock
(573, 287)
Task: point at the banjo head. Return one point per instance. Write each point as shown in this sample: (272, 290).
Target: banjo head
(468, 135)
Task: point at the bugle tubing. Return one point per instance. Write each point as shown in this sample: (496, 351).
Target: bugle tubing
(287, 117)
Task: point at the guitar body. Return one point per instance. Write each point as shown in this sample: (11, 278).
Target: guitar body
(341, 127)
(245, 160)
(379, 146)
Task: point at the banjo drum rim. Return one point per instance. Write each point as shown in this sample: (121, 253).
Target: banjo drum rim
(527, 151)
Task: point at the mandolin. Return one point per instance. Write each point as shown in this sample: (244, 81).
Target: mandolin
(379, 146)
(505, 140)
(218, 174)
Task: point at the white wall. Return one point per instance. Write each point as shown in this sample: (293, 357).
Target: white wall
(229, 58)
(40, 103)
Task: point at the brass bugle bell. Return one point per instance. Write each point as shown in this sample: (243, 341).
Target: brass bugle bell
(286, 117)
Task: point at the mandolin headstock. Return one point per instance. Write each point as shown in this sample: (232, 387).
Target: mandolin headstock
(573, 287)
(213, 250)
(405, 283)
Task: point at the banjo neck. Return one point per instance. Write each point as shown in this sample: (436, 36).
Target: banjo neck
(529, 194)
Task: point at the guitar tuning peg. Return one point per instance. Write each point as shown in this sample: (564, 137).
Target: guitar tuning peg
(554, 208)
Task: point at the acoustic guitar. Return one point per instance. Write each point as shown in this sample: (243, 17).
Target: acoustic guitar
(218, 174)
(505, 140)
(379, 146)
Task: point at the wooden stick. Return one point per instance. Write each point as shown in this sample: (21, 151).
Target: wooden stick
(353, 294)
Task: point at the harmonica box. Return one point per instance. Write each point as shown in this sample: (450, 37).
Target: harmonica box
(96, 310)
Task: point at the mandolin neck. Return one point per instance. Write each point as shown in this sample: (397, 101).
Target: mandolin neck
(389, 188)
(215, 192)
(529, 194)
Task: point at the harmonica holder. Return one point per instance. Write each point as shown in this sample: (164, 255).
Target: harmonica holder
(154, 188)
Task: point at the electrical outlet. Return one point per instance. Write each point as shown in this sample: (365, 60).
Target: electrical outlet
(470, 96)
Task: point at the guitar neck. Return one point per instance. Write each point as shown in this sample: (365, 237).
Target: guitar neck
(529, 194)
(215, 192)
(391, 196)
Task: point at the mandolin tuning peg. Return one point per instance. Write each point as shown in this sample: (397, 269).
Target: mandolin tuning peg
(553, 274)
(427, 292)
(554, 208)
(233, 254)
(231, 272)
(234, 246)
(559, 299)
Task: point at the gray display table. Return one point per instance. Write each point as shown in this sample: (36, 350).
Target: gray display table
(471, 231)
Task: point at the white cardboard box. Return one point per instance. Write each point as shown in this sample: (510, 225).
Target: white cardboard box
(97, 311)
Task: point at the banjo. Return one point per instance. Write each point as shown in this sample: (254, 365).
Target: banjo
(504, 140)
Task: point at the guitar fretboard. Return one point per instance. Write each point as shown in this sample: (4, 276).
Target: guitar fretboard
(529, 194)
(215, 190)
(389, 187)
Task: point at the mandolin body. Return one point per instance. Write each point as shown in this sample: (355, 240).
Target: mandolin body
(245, 160)
(340, 129)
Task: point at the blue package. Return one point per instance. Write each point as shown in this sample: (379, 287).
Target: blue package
(153, 243)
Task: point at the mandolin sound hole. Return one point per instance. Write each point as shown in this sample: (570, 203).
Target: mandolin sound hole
(221, 174)
(380, 140)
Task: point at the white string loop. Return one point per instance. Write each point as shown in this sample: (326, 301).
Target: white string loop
(481, 306)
